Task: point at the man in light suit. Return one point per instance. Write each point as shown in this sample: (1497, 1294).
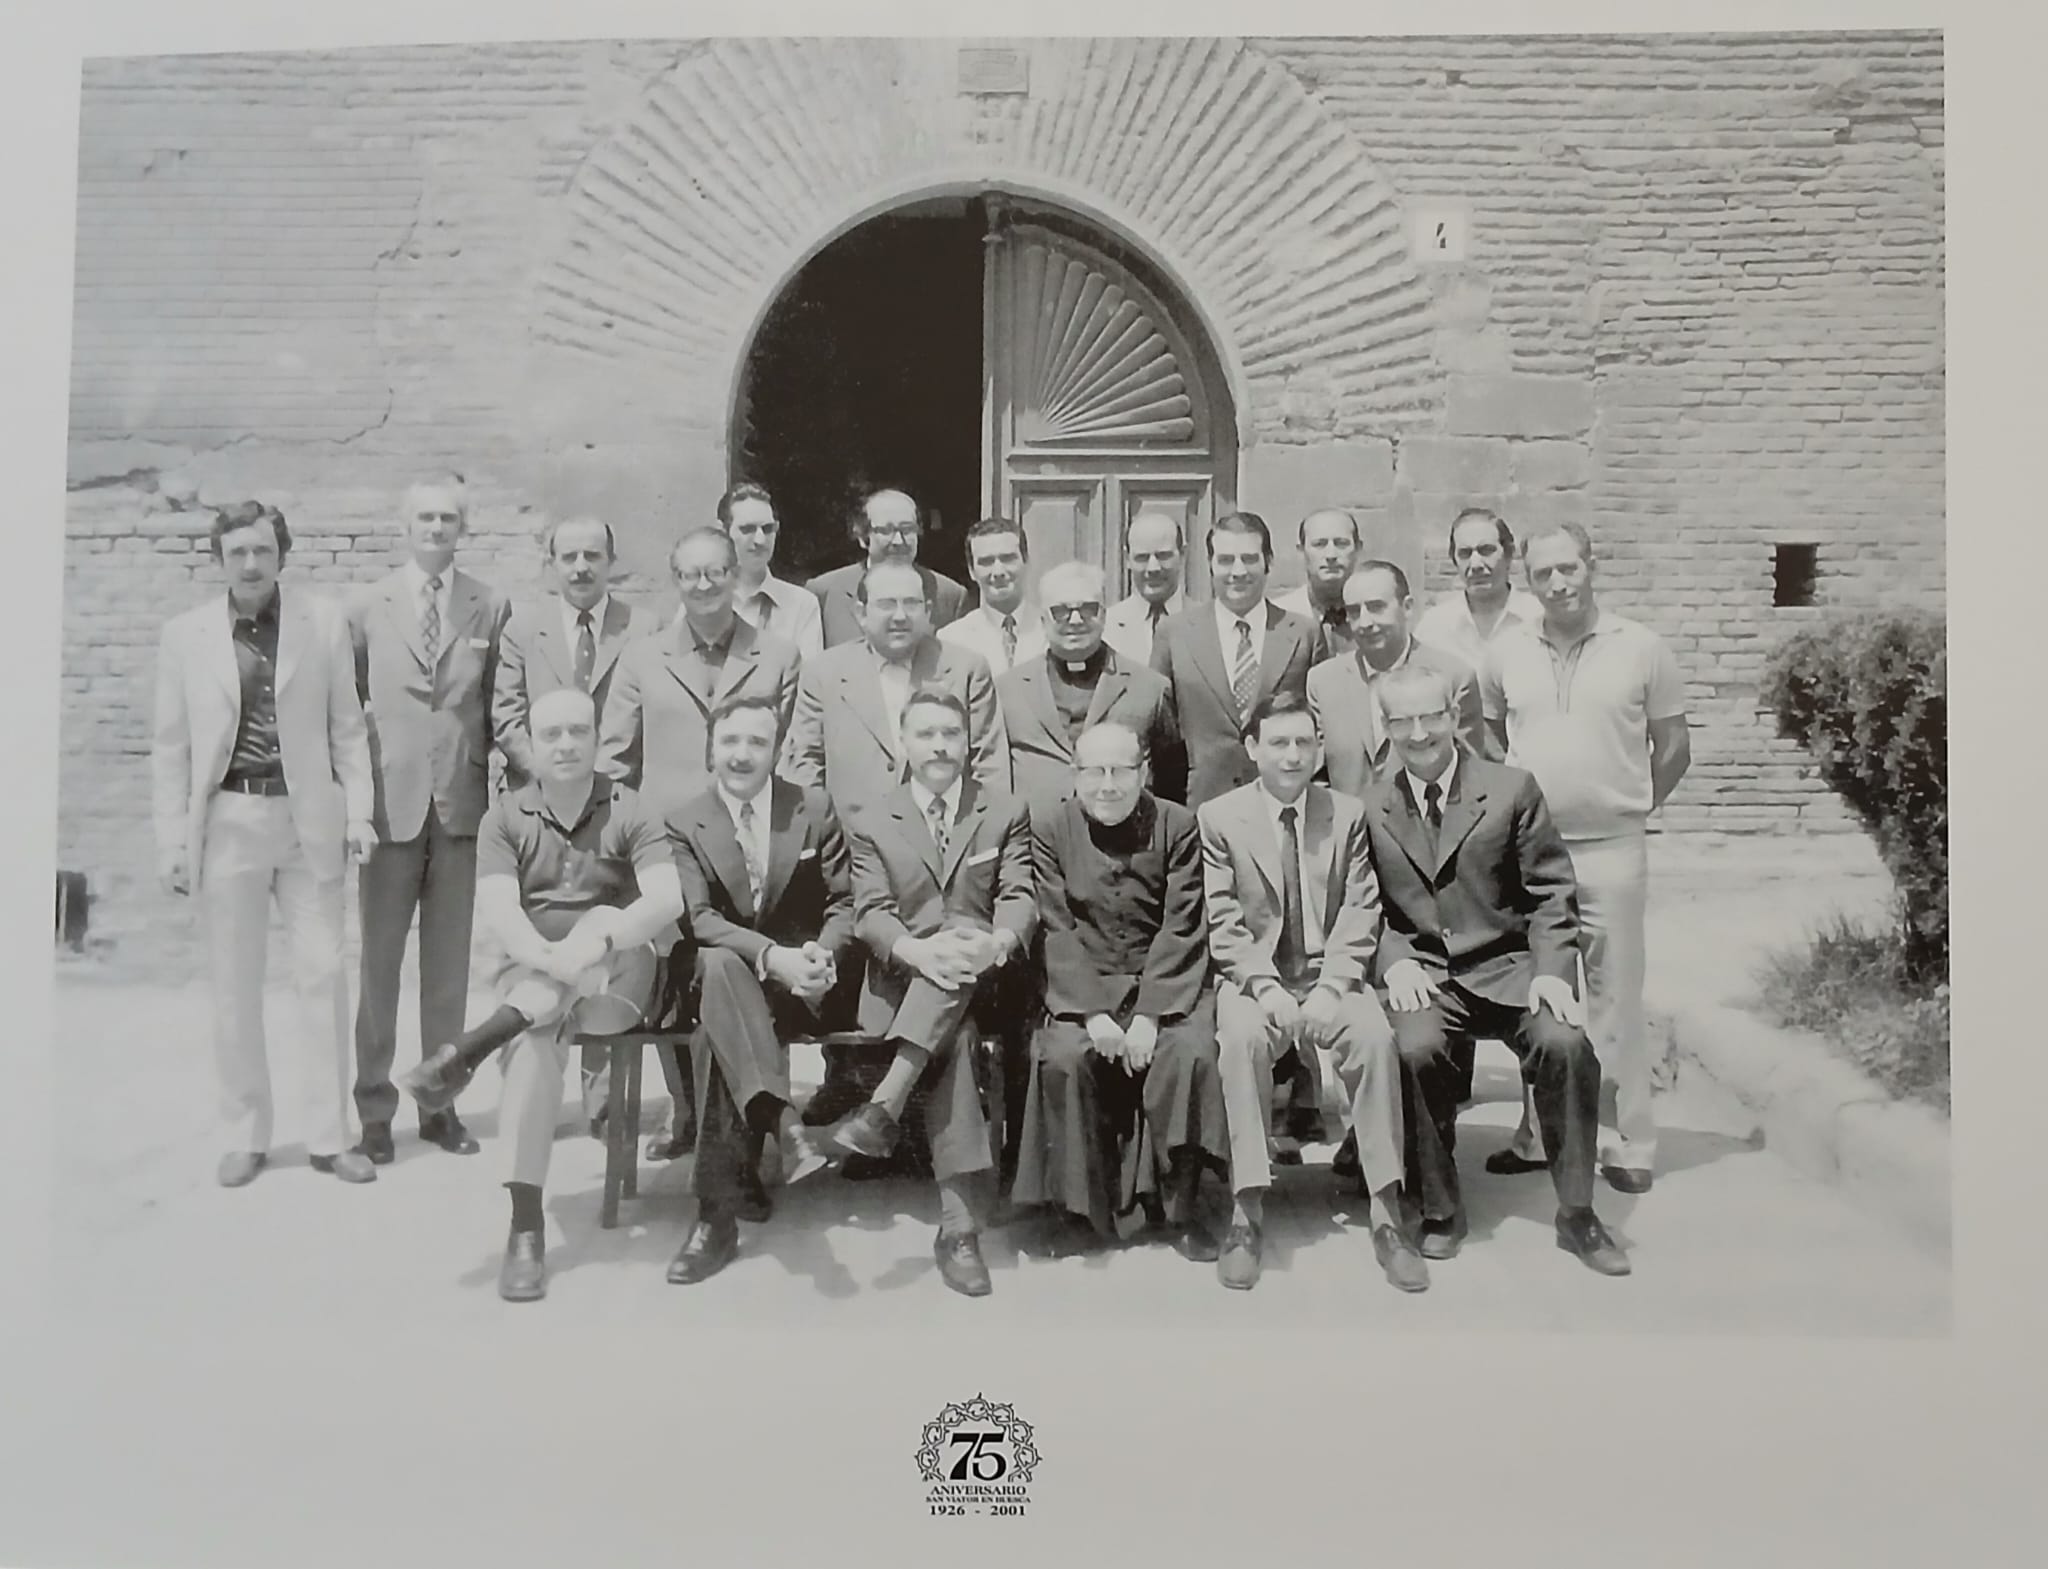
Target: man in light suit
(1482, 939)
(426, 648)
(1004, 628)
(764, 601)
(1077, 682)
(765, 875)
(887, 525)
(1293, 908)
(261, 771)
(1154, 555)
(1329, 544)
(943, 900)
(1223, 658)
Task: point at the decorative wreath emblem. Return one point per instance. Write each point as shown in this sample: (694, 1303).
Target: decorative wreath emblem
(990, 1420)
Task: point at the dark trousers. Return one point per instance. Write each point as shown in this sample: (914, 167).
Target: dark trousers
(435, 875)
(937, 1020)
(1557, 1060)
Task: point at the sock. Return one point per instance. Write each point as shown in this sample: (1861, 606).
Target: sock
(1249, 1207)
(505, 1025)
(893, 1093)
(526, 1215)
(961, 1202)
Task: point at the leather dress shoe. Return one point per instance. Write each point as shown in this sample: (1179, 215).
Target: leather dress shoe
(1197, 1243)
(444, 1130)
(375, 1144)
(754, 1205)
(1580, 1232)
(869, 1131)
(1284, 1149)
(1345, 1165)
(523, 1276)
(960, 1263)
(1624, 1180)
(349, 1165)
(1508, 1163)
(239, 1167)
(710, 1246)
(1403, 1266)
(1441, 1239)
(438, 1079)
(1238, 1260)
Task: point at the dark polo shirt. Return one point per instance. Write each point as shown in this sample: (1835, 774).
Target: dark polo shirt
(566, 869)
(255, 754)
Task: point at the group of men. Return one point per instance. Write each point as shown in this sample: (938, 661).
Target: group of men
(1138, 871)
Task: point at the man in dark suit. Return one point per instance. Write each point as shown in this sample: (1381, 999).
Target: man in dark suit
(888, 525)
(764, 872)
(1124, 1079)
(1079, 681)
(943, 899)
(426, 652)
(1481, 941)
(1221, 659)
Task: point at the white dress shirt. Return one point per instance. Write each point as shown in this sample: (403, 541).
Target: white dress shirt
(758, 835)
(597, 613)
(1311, 916)
(895, 680)
(981, 631)
(924, 799)
(797, 619)
(1448, 624)
(1128, 627)
(1417, 785)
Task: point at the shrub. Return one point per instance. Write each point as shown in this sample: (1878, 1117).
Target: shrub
(1867, 696)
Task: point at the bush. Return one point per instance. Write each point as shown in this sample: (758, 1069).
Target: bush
(1867, 696)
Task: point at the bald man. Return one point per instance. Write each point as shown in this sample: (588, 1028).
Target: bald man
(1155, 556)
(1329, 543)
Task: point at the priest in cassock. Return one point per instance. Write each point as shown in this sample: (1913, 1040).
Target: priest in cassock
(1124, 1083)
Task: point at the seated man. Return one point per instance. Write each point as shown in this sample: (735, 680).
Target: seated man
(1293, 917)
(1124, 1080)
(575, 879)
(942, 897)
(1481, 943)
(764, 874)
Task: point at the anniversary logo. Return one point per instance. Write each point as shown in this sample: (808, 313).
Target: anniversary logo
(978, 1457)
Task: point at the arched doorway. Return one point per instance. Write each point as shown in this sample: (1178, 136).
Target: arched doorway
(990, 355)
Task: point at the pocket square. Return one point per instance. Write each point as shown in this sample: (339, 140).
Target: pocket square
(807, 855)
(986, 855)
(479, 642)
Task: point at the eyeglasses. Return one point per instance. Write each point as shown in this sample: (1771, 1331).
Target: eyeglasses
(1411, 722)
(895, 607)
(1105, 773)
(1083, 612)
(710, 577)
(893, 531)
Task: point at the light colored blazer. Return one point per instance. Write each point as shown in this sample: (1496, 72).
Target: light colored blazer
(1187, 652)
(535, 658)
(430, 730)
(321, 735)
(1355, 750)
(1127, 627)
(1042, 753)
(1242, 886)
(975, 631)
(657, 717)
(839, 604)
(839, 737)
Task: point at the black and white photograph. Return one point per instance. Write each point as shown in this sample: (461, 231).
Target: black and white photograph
(741, 698)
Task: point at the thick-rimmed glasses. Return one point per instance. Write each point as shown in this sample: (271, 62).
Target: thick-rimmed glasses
(1075, 614)
(892, 531)
(1108, 773)
(710, 577)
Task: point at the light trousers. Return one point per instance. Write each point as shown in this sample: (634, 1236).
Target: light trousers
(253, 856)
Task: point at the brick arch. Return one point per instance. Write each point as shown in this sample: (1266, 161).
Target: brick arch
(1204, 155)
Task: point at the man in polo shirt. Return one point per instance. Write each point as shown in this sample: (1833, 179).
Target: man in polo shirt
(1155, 554)
(574, 879)
(1593, 705)
(1482, 548)
(763, 600)
(1004, 628)
(1329, 544)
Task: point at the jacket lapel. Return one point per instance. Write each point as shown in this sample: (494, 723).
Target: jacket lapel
(465, 611)
(294, 631)
(1036, 685)
(1259, 838)
(548, 644)
(404, 610)
(860, 688)
(1407, 828)
(785, 841)
(1276, 649)
(1208, 652)
(715, 835)
(741, 657)
(1107, 691)
(903, 808)
(611, 637)
(1461, 815)
(217, 632)
(690, 672)
(1319, 816)
(972, 805)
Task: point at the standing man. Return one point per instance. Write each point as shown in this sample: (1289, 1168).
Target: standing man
(1593, 704)
(1293, 910)
(1329, 543)
(943, 899)
(764, 872)
(426, 650)
(1004, 628)
(887, 525)
(1079, 681)
(1155, 555)
(1222, 659)
(262, 790)
(763, 600)
(575, 879)
(1481, 940)
(1125, 1088)
(1482, 548)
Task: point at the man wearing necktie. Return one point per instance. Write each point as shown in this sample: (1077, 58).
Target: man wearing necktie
(1004, 628)
(1293, 914)
(426, 651)
(1155, 555)
(763, 600)
(1329, 544)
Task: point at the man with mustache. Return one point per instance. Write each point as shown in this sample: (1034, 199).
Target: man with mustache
(887, 525)
(1004, 628)
(1154, 556)
(1482, 548)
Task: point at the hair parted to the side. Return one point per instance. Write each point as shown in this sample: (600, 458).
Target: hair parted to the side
(928, 696)
(1243, 523)
(247, 514)
(988, 526)
(1470, 514)
(449, 481)
(1393, 571)
(548, 534)
(744, 490)
(745, 703)
(1274, 705)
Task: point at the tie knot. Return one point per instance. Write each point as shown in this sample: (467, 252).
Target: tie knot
(1431, 794)
(1155, 613)
(583, 619)
(434, 584)
(747, 812)
(1288, 818)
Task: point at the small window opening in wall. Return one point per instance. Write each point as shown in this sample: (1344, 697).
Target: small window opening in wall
(1793, 571)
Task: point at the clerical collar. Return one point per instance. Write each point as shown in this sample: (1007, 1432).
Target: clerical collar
(1081, 667)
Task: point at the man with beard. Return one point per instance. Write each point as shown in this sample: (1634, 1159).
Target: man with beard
(1329, 545)
(888, 526)
(1154, 556)
(1004, 628)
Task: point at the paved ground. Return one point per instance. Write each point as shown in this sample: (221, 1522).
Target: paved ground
(1731, 1240)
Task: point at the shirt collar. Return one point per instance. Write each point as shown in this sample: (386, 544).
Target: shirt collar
(1594, 628)
(924, 799)
(1227, 619)
(1023, 615)
(1443, 781)
(689, 638)
(733, 803)
(1275, 806)
(530, 800)
(418, 579)
(598, 612)
(266, 614)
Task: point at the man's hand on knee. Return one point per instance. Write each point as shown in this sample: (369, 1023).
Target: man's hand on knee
(1409, 988)
(1549, 994)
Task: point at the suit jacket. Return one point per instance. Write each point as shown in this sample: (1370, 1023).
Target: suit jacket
(657, 717)
(1355, 749)
(839, 605)
(1041, 751)
(902, 888)
(1242, 887)
(1188, 653)
(322, 739)
(430, 730)
(807, 895)
(535, 657)
(839, 738)
(1496, 903)
(1120, 945)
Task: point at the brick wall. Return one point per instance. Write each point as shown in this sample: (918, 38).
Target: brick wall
(1701, 311)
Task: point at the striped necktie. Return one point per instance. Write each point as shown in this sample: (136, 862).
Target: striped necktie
(1244, 672)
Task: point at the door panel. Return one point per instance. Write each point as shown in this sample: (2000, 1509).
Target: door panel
(1062, 520)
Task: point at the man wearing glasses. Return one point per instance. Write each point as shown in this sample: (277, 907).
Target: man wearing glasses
(888, 526)
(1079, 681)
(763, 600)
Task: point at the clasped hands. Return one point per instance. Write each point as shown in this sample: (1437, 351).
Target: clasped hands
(806, 973)
(1130, 1044)
(954, 957)
(1314, 1020)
